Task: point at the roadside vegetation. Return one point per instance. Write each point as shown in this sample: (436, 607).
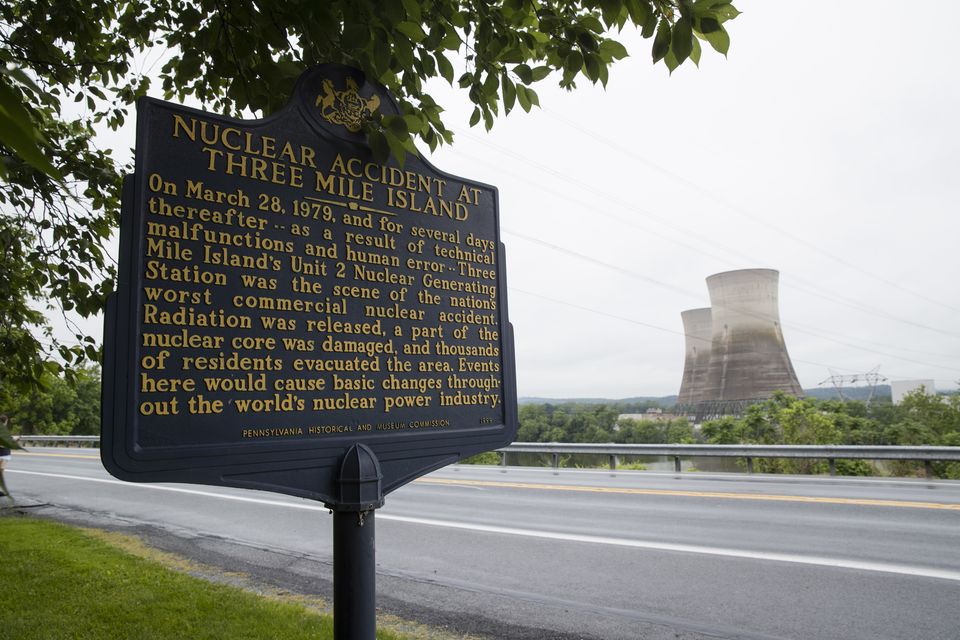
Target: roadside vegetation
(72, 407)
(919, 420)
(61, 582)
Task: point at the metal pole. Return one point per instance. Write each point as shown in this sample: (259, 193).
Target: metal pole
(354, 545)
(354, 576)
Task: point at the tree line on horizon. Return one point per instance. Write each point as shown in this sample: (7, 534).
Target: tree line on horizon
(62, 406)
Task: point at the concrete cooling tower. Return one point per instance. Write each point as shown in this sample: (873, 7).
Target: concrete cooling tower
(698, 331)
(748, 357)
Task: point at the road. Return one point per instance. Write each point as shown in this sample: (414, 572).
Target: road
(530, 553)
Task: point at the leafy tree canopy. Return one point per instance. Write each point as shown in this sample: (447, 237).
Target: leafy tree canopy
(61, 203)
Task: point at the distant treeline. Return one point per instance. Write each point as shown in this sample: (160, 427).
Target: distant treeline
(60, 407)
(598, 422)
(919, 420)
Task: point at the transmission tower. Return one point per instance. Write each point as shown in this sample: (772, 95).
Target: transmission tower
(871, 379)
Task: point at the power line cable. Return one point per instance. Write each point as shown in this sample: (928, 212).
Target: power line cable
(644, 324)
(792, 326)
(742, 212)
(814, 289)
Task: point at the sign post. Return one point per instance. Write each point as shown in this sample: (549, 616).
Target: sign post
(294, 316)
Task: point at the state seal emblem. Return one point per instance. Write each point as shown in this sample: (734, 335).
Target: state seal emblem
(347, 107)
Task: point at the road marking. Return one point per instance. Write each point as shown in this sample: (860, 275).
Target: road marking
(58, 455)
(708, 475)
(822, 561)
(693, 494)
(161, 487)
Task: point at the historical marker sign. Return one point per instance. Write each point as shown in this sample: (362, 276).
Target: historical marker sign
(283, 296)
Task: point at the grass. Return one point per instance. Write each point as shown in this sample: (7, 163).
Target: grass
(59, 582)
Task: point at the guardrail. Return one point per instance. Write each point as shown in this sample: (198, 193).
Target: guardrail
(749, 452)
(92, 441)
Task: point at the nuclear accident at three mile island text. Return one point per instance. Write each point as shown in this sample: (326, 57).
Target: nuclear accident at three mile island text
(281, 279)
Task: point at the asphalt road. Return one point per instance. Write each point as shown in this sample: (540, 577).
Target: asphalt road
(529, 553)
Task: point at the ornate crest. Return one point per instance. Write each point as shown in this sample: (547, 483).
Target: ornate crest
(347, 107)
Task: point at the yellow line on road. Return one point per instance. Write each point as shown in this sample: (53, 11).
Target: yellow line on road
(56, 455)
(695, 494)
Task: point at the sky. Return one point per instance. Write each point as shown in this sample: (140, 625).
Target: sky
(825, 146)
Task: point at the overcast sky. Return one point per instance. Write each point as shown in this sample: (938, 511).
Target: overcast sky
(825, 146)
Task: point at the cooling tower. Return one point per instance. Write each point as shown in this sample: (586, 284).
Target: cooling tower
(748, 357)
(698, 334)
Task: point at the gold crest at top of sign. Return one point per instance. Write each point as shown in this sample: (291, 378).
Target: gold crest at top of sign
(347, 107)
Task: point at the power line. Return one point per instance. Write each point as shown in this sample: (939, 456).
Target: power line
(814, 288)
(739, 211)
(792, 326)
(679, 333)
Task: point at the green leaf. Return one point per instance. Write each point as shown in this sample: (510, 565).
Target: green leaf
(573, 62)
(415, 123)
(355, 36)
(396, 147)
(539, 73)
(523, 98)
(611, 11)
(446, 69)
(681, 43)
(509, 94)
(641, 13)
(591, 24)
(661, 44)
(524, 73)
(396, 125)
(671, 60)
(695, 52)
(412, 30)
(491, 85)
(382, 52)
(725, 12)
(649, 28)
(708, 25)
(23, 144)
(719, 40)
(12, 105)
(613, 50)
(513, 55)
(591, 67)
(412, 8)
(534, 98)
(378, 144)
(604, 75)
(475, 116)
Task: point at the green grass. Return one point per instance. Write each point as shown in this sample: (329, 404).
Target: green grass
(61, 582)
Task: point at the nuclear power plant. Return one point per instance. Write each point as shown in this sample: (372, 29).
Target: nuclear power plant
(698, 329)
(735, 352)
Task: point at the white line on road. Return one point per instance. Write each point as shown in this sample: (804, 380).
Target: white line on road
(839, 563)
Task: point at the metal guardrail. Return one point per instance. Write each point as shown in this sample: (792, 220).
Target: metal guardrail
(68, 440)
(749, 452)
